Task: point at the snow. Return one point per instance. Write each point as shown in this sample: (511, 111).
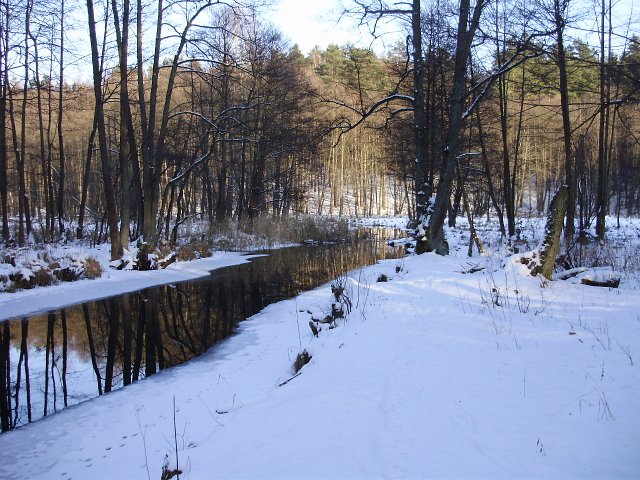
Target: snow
(434, 374)
(112, 282)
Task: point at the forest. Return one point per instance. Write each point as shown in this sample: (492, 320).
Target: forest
(200, 111)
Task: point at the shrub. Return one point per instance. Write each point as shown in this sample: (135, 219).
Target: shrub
(192, 251)
(43, 277)
(23, 279)
(66, 274)
(92, 268)
(186, 253)
(203, 250)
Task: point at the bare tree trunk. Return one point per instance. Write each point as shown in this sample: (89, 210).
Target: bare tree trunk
(4, 39)
(503, 97)
(45, 165)
(487, 168)
(421, 179)
(116, 246)
(467, 27)
(473, 233)
(85, 178)
(122, 38)
(62, 164)
(151, 163)
(569, 169)
(603, 134)
(24, 216)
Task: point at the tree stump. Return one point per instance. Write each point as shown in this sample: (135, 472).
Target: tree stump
(551, 244)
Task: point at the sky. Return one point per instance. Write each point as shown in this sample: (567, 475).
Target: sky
(310, 23)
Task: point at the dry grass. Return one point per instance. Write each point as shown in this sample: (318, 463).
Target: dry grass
(92, 268)
(192, 251)
(264, 232)
(43, 277)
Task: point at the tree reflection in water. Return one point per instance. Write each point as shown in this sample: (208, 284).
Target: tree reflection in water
(61, 358)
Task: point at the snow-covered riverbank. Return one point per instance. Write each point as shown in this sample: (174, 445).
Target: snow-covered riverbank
(434, 374)
(112, 282)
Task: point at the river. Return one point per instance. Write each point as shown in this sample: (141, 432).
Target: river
(64, 357)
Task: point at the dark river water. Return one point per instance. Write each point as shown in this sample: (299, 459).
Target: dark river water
(63, 357)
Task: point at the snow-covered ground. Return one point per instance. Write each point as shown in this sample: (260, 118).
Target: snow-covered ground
(435, 373)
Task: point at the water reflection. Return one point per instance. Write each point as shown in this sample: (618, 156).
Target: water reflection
(64, 357)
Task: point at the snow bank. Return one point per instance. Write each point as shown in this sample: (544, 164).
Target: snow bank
(112, 282)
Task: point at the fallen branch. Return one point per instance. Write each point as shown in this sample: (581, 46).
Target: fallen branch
(287, 381)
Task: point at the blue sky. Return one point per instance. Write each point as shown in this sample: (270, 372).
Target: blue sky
(315, 22)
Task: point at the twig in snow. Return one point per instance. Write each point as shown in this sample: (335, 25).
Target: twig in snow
(144, 441)
(287, 381)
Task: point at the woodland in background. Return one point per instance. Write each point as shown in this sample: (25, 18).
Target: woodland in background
(199, 111)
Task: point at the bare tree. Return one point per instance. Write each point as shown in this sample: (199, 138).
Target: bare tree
(602, 204)
(110, 199)
(4, 53)
(127, 143)
(560, 19)
(468, 23)
(59, 126)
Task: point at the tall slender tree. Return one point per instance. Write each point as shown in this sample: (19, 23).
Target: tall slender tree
(61, 151)
(4, 53)
(110, 199)
(560, 8)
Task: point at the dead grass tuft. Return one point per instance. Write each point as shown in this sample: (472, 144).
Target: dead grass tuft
(301, 360)
(92, 268)
(192, 251)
